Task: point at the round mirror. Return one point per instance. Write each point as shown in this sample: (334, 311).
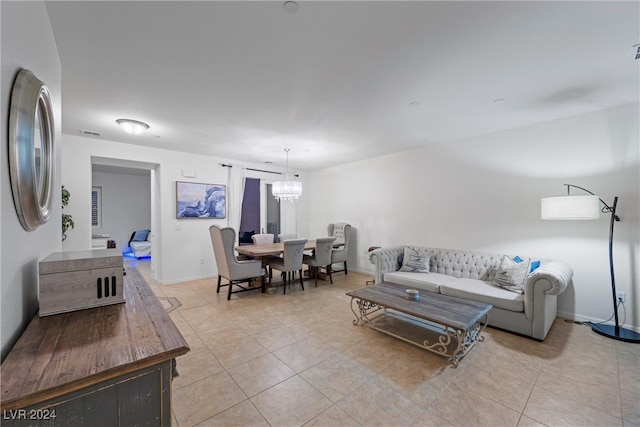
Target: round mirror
(31, 151)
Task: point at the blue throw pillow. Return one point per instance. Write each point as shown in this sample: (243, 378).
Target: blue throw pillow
(533, 266)
(140, 236)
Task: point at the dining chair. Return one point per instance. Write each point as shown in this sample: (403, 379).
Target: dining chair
(290, 262)
(321, 257)
(286, 236)
(342, 232)
(261, 239)
(229, 267)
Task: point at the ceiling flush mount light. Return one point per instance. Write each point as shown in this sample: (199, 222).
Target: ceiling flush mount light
(588, 207)
(133, 127)
(290, 6)
(286, 190)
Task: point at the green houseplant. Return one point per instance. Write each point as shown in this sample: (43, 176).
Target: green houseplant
(67, 220)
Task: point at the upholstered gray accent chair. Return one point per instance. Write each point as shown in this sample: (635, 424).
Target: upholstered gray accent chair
(321, 257)
(261, 239)
(229, 267)
(342, 232)
(290, 262)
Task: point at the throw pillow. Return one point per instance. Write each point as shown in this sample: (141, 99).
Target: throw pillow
(512, 274)
(534, 266)
(246, 236)
(415, 261)
(140, 236)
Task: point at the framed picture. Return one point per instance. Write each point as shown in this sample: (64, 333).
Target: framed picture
(197, 200)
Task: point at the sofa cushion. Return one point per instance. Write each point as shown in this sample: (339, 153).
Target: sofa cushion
(415, 260)
(426, 281)
(512, 273)
(478, 290)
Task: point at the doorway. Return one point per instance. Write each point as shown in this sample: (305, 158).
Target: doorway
(260, 211)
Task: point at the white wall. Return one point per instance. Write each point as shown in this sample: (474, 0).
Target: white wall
(126, 205)
(484, 193)
(27, 42)
(181, 248)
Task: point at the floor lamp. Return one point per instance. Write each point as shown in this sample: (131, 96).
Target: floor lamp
(588, 207)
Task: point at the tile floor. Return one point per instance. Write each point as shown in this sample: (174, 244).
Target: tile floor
(297, 359)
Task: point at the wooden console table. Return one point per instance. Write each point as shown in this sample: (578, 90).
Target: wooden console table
(104, 366)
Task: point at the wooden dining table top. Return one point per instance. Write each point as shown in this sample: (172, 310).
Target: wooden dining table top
(269, 249)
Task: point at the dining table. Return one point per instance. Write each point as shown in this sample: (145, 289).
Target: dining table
(264, 251)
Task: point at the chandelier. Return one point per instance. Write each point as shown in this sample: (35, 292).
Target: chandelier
(286, 190)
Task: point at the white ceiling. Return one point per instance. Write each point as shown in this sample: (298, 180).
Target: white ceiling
(334, 81)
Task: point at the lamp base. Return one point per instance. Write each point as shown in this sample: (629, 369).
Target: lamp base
(620, 334)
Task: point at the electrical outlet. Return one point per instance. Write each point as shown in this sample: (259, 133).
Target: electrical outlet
(620, 296)
(202, 262)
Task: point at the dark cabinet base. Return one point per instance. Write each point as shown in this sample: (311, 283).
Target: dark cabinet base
(141, 398)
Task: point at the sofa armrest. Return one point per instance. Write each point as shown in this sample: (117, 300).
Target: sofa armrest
(385, 260)
(557, 273)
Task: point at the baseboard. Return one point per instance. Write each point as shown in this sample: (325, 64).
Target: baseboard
(189, 279)
(586, 319)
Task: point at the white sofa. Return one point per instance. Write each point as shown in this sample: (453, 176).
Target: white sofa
(470, 275)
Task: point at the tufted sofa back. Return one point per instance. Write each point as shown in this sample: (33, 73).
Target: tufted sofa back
(464, 264)
(453, 262)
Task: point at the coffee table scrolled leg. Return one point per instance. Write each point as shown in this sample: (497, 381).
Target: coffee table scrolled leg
(467, 339)
(358, 319)
(365, 308)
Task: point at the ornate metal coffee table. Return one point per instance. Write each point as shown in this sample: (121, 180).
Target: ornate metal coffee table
(446, 325)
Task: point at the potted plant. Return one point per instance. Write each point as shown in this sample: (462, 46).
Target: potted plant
(67, 220)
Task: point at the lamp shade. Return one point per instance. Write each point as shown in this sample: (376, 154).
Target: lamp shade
(286, 190)
(570, 207)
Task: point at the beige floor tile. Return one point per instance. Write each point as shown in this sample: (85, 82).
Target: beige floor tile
(631, 408)
(528, 422)
(496, 385)
(235, 352)
(203, 319)
(376, 404)
(291, 403)
(375, 353)
(203, 399)
(195, 366)
(176, 316)
(260, 373)
(333, 417)
(277, 337)
(342, 335)
(421, 379)
(184, 327)
(429, 419)
(337, 376)
(629, 368)
(493, 357)
(554, 409)
(463, 407)
(578, 386)
(195, 343)
(244, 414)
(304, 354)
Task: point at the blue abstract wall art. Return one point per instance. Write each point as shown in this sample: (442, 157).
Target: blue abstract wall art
(197, 200)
